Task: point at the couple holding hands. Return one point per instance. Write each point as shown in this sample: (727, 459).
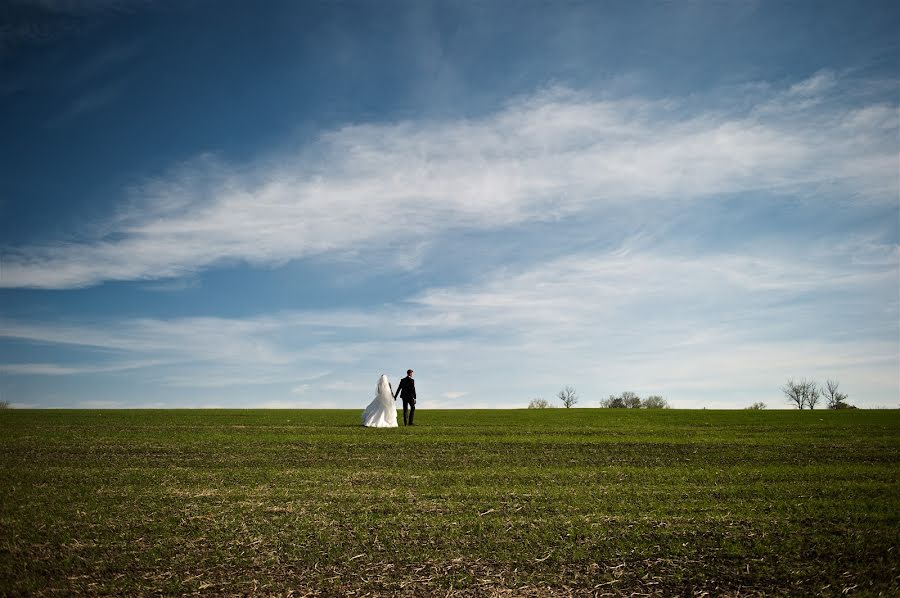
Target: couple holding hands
(382, 413)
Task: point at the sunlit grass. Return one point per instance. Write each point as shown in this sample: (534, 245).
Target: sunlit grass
(536, 502)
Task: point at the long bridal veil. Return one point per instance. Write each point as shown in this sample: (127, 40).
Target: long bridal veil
(381, 412)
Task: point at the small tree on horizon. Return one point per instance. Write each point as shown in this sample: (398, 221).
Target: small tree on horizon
(539, 403)
(655, 402)
(568, 396)
(813, 395)
(631, 400)
(612, 402)
(4, 404)
(794, 393)
(802, 394)
(833, 398)
(759, 405)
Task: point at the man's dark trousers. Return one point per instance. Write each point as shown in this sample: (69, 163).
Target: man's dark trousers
(407, 391)
(411, 404)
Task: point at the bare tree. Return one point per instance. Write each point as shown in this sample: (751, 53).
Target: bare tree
(631, 400)
(4, 404)
(655, 402)
(833, 398)
(794, 393)
(802, 394)
(813, 394)
(568, 396)
(757, 406)
(539, 403)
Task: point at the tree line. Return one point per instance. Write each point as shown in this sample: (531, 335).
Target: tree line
(630, 400)
(567, 395)
(803, 394)
(627, 400)
(806, 394)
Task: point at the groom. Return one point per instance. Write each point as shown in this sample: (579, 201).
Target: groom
(407, 391)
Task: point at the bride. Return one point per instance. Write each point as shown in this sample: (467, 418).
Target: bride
(381, 412)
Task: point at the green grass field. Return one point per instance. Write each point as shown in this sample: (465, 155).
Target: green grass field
(541, 502)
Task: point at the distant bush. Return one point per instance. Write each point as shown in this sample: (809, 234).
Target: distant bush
(757, 406)
(4, 405)
(540, 404)
(655, 402)
(612, 402)
(630, 400)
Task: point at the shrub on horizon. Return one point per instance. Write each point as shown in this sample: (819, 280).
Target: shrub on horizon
(540, 403)
(630, 400)
(612, 402)
(655, 402)
(843, 405)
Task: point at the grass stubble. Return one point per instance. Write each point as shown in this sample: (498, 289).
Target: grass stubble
(519, 502)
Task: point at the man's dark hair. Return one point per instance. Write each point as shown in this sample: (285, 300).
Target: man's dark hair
(408, 372)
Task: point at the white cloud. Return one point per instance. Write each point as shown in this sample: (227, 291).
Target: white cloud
(541, 157)
(580, 294)
(819, 83)
(701, 329)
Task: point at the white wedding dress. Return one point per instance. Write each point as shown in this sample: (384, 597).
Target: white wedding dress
(381, 412)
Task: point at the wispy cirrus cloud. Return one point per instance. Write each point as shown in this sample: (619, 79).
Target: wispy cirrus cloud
(53, 369)
(819, 83)
(549, 155)
(89, 101)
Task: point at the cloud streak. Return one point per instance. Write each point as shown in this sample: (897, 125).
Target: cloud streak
(52, 369)
(553, 154)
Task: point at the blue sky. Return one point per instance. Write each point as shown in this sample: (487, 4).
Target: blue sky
(226, 205)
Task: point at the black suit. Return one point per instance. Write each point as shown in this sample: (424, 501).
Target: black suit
(407, 391)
